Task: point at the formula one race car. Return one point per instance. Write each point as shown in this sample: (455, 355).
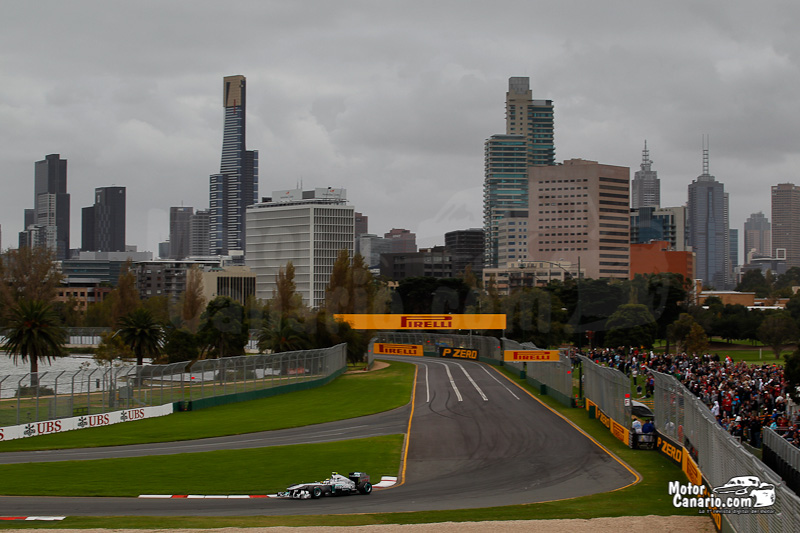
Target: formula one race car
(354, 483)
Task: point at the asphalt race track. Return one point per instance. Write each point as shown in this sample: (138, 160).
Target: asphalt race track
(476, 440)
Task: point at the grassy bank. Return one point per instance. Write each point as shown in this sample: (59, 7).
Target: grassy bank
(348, 396)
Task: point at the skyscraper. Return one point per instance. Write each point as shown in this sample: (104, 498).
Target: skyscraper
(757, 237)
(179, 231)
(707, 218)
(579, 213)
(236, 185)
(505, 187)
(49, 225)
(786, 222)
(646, 187)
(533, 119)
(103, 224)
(198, 233)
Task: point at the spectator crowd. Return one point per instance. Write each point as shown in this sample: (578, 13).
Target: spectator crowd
(743, 397)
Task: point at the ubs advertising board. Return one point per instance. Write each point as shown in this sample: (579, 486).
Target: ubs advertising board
(382, 348)
(458, 353)
(449, 322)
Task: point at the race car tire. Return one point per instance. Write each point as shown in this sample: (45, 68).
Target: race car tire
(316, 492)
(365, 488)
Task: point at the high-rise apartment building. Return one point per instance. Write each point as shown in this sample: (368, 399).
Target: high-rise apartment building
(533, 119)
(103, 224)
(786, 222)
(236, 185)
(308, 228)
(179, 232)
(49, 224)
(645, 187)
(198, 234)
(466, 249)
(505, 187)
(757, 237)
(579, 212)
(707, 217)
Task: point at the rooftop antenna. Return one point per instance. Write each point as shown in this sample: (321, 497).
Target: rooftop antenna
(646, 161)
(705, 155)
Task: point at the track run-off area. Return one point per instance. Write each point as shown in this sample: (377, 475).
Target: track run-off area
(473, 439)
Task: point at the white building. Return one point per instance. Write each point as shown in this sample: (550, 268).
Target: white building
(308, 228)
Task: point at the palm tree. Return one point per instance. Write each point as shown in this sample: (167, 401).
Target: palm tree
(142, 332)
(282, 334)
(34, 332)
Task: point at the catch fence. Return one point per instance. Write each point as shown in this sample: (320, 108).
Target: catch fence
(552, 378)
(607, 387)
(43, 396)
(683, 417)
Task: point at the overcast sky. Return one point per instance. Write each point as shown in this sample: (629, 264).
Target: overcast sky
(390, 100)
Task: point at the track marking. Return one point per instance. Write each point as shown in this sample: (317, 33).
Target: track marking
(427, 385)
(452, 382)
(500, 382)
(464, 370)
(622, 463)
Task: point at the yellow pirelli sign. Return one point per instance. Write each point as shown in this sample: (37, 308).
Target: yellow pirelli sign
(424, 321)
(382, 348)
(531, 355)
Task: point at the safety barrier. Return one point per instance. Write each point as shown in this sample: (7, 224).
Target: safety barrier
(551, 378)
(783, 457)
(489, 348)
(43, 396)
(720, 458)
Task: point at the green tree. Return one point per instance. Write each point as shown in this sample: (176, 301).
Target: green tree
(111, 348)
(34, 333)
(142, 332)
(679, 331)
(181, 345)
(697, 340)
(224, 328)
(285, 299)
(667, 295)
(777, 330)
(27, 273)
(124, 299)
(631, 325)
(281, 333)
(754, 281)
(535, 315)
(192, 300)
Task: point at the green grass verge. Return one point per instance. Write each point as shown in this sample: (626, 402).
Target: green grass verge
(348, 396)
(255, 471)
(648, 497)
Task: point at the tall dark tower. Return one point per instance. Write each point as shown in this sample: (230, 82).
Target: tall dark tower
(103, 224)
(51, 206)
(236, 185)
(646, 187)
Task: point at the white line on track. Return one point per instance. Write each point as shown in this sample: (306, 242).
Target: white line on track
(500, 382)
(427, 384)
(464, 370)
(452, 381)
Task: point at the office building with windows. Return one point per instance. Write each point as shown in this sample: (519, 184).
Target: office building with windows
(579, 213)
(757, 237)
(308, 228)
(707, 217)
(645, 187)
(786, 222)
(236, 185)
(533, 119)
(103, 224)
(47, 224)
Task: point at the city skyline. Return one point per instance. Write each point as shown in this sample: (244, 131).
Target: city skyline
(332, 102)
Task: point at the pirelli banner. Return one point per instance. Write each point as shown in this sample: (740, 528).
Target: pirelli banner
(383, 348)
(393, 322)
(458, 353)
(551, 356)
